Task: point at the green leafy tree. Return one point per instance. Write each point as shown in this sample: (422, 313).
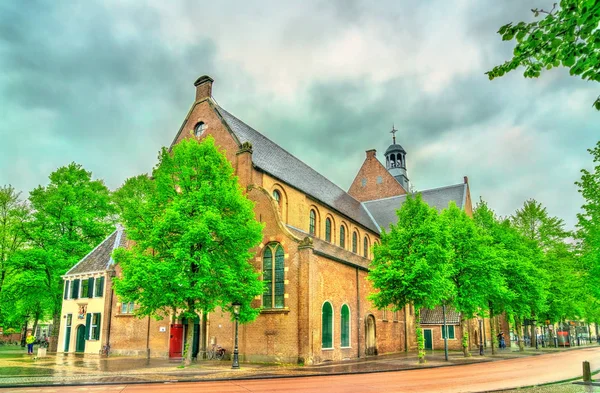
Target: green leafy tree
(193, 229)
(567, 35)
(412, 263)
(11, 237)
(67, 219)
(471, 272)
(588, 227)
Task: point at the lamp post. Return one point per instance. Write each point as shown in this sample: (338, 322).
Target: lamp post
(480, 337)
(236, 311)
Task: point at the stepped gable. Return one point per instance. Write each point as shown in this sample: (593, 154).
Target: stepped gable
(99, 259)
(276, 161)
(383, 210)
(436, 316)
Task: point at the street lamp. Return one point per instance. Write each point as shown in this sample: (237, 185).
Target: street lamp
(236, 311)
(480, 337)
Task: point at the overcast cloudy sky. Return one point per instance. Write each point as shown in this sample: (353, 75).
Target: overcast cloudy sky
(106, 84)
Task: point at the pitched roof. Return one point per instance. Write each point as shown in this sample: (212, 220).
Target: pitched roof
(383, 210)
(99, 259)
(276, 161)
(436, 316)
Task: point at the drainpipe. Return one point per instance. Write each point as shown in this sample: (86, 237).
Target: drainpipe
(357, 315)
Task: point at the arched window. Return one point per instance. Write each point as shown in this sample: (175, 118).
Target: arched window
(311, 224)
(328, 229)
(273, 276)
(343, 236)
(327, 326)
(365, 248)
(354, 242)
(199, 129)
(276, 196)
(345, 326)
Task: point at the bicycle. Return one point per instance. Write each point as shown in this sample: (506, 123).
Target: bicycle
(106, 349)
(216, 352)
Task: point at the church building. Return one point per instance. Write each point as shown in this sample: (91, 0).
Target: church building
(314, 257)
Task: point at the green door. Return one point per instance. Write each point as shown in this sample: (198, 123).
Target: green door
(67, 338)
(428, 339)
(80, 347)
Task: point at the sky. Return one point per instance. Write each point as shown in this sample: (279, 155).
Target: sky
(107, 84)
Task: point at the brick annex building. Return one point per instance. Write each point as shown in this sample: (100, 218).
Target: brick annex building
(315, 254)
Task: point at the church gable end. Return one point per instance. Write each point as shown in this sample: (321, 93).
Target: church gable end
(373, 181)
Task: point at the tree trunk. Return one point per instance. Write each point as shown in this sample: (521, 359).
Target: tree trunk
(53, 339)
(492, 330)
(24, 335)
(189, 338)
(420, 338)
(519, 329)
(465, 336)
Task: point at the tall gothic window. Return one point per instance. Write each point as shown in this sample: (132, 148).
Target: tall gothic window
(311, 224)
(342, 236)
(273, 257)
(327, 326)
(328, 229)
(365, 248)
(345, 325)
(354, 242)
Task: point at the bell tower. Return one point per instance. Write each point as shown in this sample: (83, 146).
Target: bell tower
(395, 161)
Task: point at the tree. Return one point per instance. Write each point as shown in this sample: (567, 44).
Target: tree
(11, 237)
(588, 224)
(193, 229)
(567, 35)
(471, 272)
(411, 265)
(67, 219)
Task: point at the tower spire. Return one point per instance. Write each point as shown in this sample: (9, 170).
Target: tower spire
(393, 132)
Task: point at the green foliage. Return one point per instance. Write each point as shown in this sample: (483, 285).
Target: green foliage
(588, 229)
(567, 35)
(465, 338)
(193, 229)
(411, 265)
(67, 218)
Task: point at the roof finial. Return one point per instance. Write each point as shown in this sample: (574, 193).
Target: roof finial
(393, 132)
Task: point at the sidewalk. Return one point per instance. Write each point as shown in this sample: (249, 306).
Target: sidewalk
(20, 370)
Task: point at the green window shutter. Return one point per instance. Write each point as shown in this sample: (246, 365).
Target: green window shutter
(100, 287)
(75, 289)
(279, 275)
(345, 326)
(91, 287)
(268, 278)
(327, 326)
(451, 332)
(88, 325)
(66, 294)
(98, 326)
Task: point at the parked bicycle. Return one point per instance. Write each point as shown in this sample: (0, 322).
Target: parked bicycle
(216, 352)
(106, 350)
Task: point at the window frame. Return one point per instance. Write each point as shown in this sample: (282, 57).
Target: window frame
(312, 222)
(277, 196)
(202, 125)
(343, 236)
(328, 229)
(331, 333)
(95, 326)
(451, 333)
(275, 290)
(127, 308)
(355, 242)
(347, 326)
(366, 247)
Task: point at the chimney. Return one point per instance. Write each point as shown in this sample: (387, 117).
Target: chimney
(371, 153)
(466, 178)
(203, 87)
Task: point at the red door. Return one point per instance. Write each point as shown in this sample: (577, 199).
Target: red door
(176, 341)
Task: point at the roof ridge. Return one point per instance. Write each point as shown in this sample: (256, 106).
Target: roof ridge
(415, 193)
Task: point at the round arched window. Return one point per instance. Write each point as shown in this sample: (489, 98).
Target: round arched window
(276, 196)
(199, 129)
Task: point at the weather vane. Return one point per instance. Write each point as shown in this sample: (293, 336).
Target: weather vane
(393, 132)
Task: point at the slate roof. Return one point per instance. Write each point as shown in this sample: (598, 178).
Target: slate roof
(276, 161)
(99, 259)
(383, 210)
(436, 316)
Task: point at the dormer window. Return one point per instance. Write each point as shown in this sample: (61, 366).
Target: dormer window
(199, 129)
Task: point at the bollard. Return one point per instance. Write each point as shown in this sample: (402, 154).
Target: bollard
(587, 374)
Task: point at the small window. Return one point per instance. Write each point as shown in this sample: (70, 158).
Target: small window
(384, 315)
(311, 225)
(327, 326)
(95, 327)
(276, 196)
(450, 332)
(67, 288)
(365, 248)
(395, 316)
(328, 229)
(99, 290)
(345, 325)
(343, 236)
(199, 129)
(363, 182)
(127, 307)
(84, 288)
(354, 242)
(379, 179)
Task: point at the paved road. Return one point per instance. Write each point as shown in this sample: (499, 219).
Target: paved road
(480, 377)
